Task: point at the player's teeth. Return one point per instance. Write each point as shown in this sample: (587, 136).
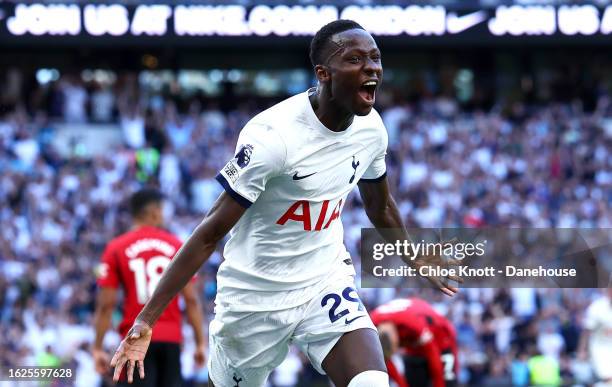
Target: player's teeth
(372, 83)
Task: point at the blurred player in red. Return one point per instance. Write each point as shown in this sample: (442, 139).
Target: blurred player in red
(425, 339)
(135, 261)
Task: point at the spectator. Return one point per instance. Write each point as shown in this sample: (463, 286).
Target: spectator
(520, 370)
(133, 126)
(544, 371)
(75, 100)
(102, 104)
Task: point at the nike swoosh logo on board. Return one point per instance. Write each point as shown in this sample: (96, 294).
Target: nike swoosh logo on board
(456, 24)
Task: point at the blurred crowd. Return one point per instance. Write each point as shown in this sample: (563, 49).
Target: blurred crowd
(513, 164)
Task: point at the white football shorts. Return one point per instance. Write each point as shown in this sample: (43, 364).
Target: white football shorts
(600, 358)
(246, 346)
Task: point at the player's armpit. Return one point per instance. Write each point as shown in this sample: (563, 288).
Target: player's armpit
(377, 202)
(223, 215)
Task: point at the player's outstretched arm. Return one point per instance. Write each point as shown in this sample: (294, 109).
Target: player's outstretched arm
(383, 213)
(224, 214)
(195, 251)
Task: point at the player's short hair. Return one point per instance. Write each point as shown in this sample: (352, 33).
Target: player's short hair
(142, 198)
(323, 36)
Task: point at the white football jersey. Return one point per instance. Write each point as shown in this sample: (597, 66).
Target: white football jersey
(598, 319)
(294, 175)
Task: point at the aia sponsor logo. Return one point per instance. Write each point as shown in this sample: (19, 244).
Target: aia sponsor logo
(300, 211)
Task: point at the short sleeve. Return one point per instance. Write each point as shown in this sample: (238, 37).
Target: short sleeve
(377, 170)
(260, 155)
(107, 271)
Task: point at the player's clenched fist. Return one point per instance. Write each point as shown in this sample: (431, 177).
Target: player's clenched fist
(132, 351)
(200, 356)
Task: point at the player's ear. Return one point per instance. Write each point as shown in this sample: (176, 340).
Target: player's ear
(322, 73)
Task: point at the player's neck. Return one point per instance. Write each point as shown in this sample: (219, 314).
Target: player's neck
(141, 223)
(332, 116)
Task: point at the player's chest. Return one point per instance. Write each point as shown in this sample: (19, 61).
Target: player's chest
(329, 170)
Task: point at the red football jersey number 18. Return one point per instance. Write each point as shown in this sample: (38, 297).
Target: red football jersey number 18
(147, 275)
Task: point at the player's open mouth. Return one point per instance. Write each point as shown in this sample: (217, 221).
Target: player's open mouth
(367, 91)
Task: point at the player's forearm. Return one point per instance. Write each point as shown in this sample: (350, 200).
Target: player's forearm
(102, 323)
(388, 218)
(195, 317)
(196, 250)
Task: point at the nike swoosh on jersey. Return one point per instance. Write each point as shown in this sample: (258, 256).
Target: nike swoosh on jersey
(456, 24)
(347, 321)
(296, 177)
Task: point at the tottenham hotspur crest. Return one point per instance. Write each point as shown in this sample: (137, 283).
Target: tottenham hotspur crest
(237, 380)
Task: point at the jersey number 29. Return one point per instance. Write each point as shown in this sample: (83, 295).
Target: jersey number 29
(334, 315)
(147, 275)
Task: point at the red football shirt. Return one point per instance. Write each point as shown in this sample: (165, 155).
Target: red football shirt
(414, 318)
(135, 261)
(422, 332)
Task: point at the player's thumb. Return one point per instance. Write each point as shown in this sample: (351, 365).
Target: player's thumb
(134, 333)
